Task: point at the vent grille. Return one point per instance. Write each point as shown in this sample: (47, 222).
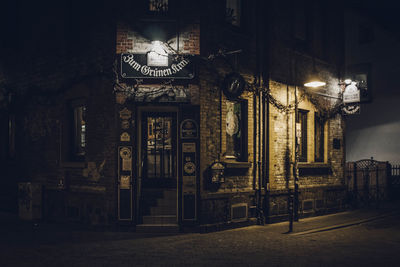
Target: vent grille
(239, 212)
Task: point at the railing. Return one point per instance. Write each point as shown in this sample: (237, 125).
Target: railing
(368, 181)
(394, 182)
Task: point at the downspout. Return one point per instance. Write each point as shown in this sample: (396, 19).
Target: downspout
(259, 46)
(255, 151)
(265, 108)
(257, 195)
(266, 155)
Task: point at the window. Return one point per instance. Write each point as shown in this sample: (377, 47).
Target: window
(319, 138)
(301, 128)
(158, 5)
(233, 12)
(236, 130)
(78, 110)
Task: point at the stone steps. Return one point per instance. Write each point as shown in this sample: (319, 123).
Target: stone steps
(159, 219)
(157, 228)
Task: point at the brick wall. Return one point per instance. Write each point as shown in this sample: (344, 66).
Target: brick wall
(186, 41)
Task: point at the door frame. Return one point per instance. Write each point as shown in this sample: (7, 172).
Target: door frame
(139, 164)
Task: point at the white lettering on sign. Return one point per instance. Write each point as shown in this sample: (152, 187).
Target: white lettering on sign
(129, 59)
(154, 72)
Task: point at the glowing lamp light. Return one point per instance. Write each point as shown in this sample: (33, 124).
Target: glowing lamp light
(157, 56)
(158, 48)
(347, 81)
(315, 84)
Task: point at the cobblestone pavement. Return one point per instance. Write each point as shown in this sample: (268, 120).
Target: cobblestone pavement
(371, 243)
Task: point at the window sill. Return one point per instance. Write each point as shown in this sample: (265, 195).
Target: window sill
(237, 164)
(314, 169)
(313, 164)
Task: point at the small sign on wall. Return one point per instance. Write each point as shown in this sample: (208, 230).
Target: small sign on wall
(189, 129)
(126, 157)
(125, 182)
(189, 174)
(125, 137)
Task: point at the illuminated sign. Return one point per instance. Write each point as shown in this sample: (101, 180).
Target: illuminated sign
(149, 66)
(351, 94)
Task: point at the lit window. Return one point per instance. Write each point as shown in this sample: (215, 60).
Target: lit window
(79, 130)
(319, 138)
(158, 5)
(301, 128)
(236, 143)
(233, 12)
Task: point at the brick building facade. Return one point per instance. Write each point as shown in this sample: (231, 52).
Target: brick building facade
(183, 114)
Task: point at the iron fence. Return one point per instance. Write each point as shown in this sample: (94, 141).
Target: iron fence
(368, 181)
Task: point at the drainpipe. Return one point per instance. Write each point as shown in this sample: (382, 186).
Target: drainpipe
(265, 160)
(255, 150)
(260, 106)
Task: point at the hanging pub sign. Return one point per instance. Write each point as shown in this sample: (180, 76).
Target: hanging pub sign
(351, 94)
(145, 66)
(351, 109)
(233, 85)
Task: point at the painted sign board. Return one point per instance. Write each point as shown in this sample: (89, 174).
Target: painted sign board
(189, 181)
(189, 129)
(141, 66)
(351, 94)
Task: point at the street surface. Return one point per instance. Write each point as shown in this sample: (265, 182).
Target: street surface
(373, 243)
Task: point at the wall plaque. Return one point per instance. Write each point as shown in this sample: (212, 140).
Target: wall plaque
(125, 182)
(125, 124)
(125, 137)
(189, 175)
(189, 129)
(125, 114)
(126, 156)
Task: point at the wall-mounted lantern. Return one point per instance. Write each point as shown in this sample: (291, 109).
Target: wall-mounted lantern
(314, 80)
(157, 56)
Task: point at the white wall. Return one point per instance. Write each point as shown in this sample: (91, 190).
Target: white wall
(376, 131)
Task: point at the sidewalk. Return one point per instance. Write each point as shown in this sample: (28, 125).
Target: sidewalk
(15, 231)
(337, 220)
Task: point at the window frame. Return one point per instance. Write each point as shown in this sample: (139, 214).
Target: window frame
(77, 151)
(167, 3)
(302, 118)
(319, 156)
(241, 154)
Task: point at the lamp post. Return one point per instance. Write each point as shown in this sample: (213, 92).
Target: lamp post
(294, 198)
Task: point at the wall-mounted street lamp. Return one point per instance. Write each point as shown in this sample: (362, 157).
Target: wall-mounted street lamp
(314, 80)
(157, 56)
(314, 83)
